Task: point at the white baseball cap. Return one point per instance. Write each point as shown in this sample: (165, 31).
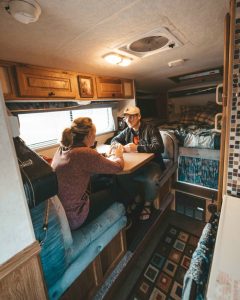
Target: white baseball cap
(132, 110)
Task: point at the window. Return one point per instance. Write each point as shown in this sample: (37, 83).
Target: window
(102, 118)
(45, 128)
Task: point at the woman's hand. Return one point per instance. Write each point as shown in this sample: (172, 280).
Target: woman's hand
(116, 153)
(119, 151)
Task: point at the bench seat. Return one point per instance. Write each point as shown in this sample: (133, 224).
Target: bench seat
(65, 254)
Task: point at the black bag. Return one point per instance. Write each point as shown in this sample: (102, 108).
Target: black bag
(39, 180)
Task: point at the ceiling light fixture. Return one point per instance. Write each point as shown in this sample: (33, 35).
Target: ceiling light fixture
(117, 59)
(125, 62)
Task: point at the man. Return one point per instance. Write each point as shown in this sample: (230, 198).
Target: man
(142, 137)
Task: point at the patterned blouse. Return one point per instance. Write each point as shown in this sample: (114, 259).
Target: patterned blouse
(74, 168)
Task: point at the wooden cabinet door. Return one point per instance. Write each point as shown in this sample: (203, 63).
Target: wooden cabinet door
(39, 82)
(128, 89)
(113, 252)
(108, 87)
(6, 80)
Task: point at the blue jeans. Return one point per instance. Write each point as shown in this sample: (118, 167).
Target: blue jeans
(145, 178)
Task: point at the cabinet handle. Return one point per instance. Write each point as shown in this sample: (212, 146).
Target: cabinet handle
(51, 94)
(218, 101)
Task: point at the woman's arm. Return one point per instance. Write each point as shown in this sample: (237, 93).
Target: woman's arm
(94, 162)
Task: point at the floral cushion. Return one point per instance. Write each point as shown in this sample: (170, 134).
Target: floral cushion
(205, 117)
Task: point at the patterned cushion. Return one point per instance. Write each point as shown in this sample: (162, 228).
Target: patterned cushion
(53, 252)
(200, 114)
(211, 119)
(188, 113)
(205, 117)
(185, 109)
(201, 117)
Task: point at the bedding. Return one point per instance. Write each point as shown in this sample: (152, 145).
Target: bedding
(194, 126)
(194, 136)
(195, 132)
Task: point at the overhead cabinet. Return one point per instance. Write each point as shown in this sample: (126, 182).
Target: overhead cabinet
(32, 83)
(128, 88)
(39, 82)
(108, 87)
(6, 80)
(111, 88)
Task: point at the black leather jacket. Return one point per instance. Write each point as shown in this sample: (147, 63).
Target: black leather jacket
(150, 140)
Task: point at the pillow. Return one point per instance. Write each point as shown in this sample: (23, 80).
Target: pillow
(210, 119)
(205, 117)
(65, 228)
(201, 117)
(188, 113)
(185, 109)
(52, 253)
(188, 118)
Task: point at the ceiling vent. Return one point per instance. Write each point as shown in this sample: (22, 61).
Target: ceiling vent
(150, 43)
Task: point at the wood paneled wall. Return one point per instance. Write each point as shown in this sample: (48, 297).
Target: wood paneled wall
(21, 276)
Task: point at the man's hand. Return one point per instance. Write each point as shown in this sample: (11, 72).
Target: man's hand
(131, 147)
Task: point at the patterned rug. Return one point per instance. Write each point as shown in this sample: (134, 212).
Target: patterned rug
(163, 275)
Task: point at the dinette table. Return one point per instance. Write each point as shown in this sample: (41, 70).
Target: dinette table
(132, 160)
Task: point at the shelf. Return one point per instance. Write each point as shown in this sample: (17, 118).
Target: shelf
(196, 190)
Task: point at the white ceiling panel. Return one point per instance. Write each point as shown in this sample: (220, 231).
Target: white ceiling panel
(75, 34)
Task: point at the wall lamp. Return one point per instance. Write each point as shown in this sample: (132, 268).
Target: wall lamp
(117, 59)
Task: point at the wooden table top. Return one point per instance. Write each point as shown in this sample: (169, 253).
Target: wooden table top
(132, 160)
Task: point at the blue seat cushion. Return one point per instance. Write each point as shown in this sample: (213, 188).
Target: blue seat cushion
(84, 258)
(90, 232)
(52, 251)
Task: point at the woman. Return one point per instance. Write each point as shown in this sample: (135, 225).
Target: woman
(74, 163)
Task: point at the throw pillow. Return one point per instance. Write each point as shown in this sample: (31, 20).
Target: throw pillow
(52, 253)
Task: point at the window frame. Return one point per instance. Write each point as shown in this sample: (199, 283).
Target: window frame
(92, 105)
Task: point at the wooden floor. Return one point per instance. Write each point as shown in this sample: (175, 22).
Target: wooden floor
(122, 287)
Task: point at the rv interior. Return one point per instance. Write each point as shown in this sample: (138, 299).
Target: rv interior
(178, 61)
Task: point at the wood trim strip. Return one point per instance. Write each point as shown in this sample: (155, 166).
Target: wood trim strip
(19, 259)
(225, 102)
(229, 94)
(97, 270)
